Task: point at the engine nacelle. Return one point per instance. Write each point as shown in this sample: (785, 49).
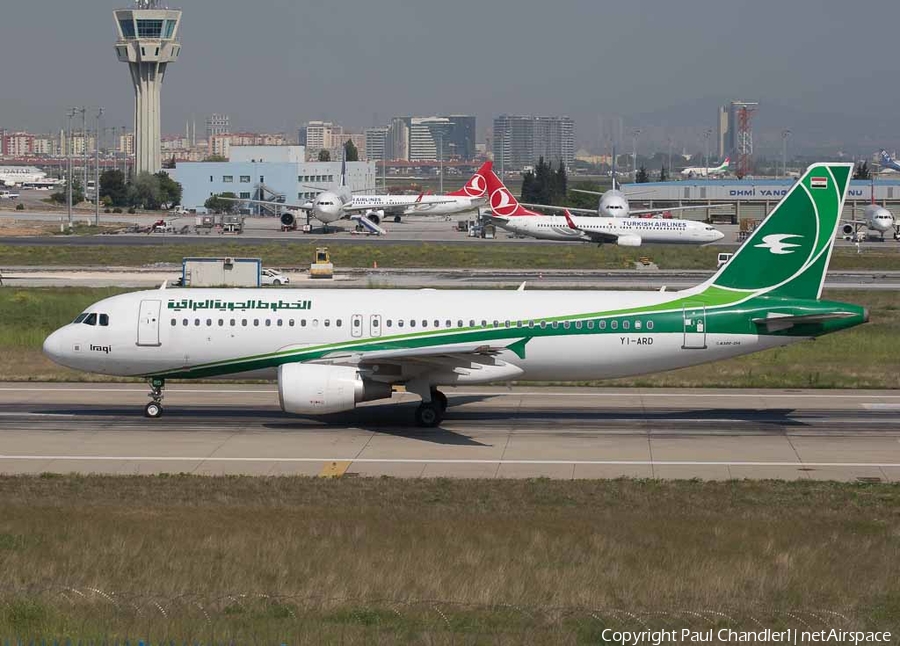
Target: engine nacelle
(847, 229)
(288, 220)
(318, 390)
(375, 216)
(629, 240)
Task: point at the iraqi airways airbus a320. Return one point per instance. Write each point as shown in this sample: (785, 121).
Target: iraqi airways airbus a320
(329, 350)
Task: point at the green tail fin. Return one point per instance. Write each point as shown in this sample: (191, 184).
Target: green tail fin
(789, 252)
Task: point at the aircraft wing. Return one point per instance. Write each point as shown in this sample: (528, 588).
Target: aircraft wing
(586, 234)
(673, 208)
(561, 208)
(461, 358)
(286, 205)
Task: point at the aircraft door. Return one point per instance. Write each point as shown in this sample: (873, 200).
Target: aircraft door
(694, 327)
(356, 326)
(148, 323)
(375, 325)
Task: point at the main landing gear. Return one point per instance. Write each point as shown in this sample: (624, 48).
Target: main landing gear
(154, 409)
(431, 413)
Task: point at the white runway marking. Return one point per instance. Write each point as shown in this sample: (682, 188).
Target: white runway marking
(537, 393)
(878, 406)
(675, 463)
(36, 415)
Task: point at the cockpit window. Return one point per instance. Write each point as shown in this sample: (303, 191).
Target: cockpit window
(80, 317)
(91, 319)
(104, 320)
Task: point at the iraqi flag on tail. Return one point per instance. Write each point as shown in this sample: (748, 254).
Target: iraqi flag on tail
(818, 182)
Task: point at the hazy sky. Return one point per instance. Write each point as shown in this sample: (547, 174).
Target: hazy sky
(274, 64)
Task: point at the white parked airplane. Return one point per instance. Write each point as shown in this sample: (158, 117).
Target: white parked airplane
(875, 218)
(20, 175)
(330, 349)
(332, 205)
(625, 232)
(702, 171)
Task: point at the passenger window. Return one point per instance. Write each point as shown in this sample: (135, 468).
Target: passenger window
(184, 322)
(543, 325)
(613, 324)
(506, 323)
(437, 323)
(459, 323)
(91, 319)
(483, 323)
(602, 325)
(531, 324)
(555, 325)
(649, 325)
(208, 322)
(104, 320)
(449, 323)
(221, 322)
(268, 322)
(566, 325)
(174, 322)
(232, 322)
(315, 322)
(338, 323)
(291, 323)
(577, 325)
(389, 323)
(255, 322)
(400, 323)
(327, 322)
(197, 322)
(637, 325)
(626, 325)
(471, 322)
(496, 323)
(590, 325)
(244, 322)
(280, 323)
(412, 323)
(302, 322)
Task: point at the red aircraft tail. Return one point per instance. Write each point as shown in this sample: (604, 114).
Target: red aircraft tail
(477, 184)
(501, 201)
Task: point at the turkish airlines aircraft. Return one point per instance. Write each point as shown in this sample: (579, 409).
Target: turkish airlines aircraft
(332, 205)
(330, 349)
(625, 232)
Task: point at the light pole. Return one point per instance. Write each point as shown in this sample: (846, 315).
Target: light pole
(670, 156)
(70, 115)
(784, 137)
(634, 136)
(441, 159)
(97, 170)
(84, 157)
(706, 135)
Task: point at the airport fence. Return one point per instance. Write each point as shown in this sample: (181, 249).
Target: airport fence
(70, 616)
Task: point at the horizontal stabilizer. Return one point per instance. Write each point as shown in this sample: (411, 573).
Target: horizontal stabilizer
(775, 322)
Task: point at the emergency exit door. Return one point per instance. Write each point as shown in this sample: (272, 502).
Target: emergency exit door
(148, 323)
(694, 327)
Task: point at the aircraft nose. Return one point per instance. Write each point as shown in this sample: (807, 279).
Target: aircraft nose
(53, 346)
(719, 235)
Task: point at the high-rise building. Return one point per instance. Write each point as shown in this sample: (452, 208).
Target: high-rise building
(148, 42)
(376, 140)
(217, 124)
(18, 144)
(322, 134)
(522, 140)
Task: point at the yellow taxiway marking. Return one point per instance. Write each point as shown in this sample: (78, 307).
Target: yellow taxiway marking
(334, 469)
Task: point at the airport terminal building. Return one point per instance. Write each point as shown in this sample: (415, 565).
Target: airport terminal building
(750, 198)
(269, 173)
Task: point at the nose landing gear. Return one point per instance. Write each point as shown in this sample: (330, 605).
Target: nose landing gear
(154, 409)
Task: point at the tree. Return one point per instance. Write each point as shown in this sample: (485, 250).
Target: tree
(170, 163)
(560, 185)
(215, 158)
(113, 188)
(62, 197)
(350, 151)
(528, 187)
(216, 204)
(862, 171)
(642, 177)
(169, 189)
(663, 176)
(324, 155)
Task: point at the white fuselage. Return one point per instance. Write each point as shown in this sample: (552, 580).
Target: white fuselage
(879, 219)
(166, 331)
(649, 230)
(704, 172)
(424, 205)
(613, 204)
(19, 175)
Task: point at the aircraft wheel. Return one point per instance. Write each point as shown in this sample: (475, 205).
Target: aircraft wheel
(397, 219)
(153, 410)
(429, 414)
(440, 398)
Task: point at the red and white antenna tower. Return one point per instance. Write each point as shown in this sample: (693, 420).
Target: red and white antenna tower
(744, 142)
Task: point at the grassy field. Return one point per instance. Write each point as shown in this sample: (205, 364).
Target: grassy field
(864, 357)
(483, 254)
(439, 561)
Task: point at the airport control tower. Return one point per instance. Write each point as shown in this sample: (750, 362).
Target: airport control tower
(148, 42)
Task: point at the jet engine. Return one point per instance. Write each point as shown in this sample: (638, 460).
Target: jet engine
(375, 216)
(848, 231)
(318, 390)
(288, 221)
(630, 240)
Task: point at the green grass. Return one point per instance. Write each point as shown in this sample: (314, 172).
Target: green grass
(864, 357)
(481, 254)
(439, 561)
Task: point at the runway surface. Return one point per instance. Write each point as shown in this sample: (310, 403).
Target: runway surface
(489, 432)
